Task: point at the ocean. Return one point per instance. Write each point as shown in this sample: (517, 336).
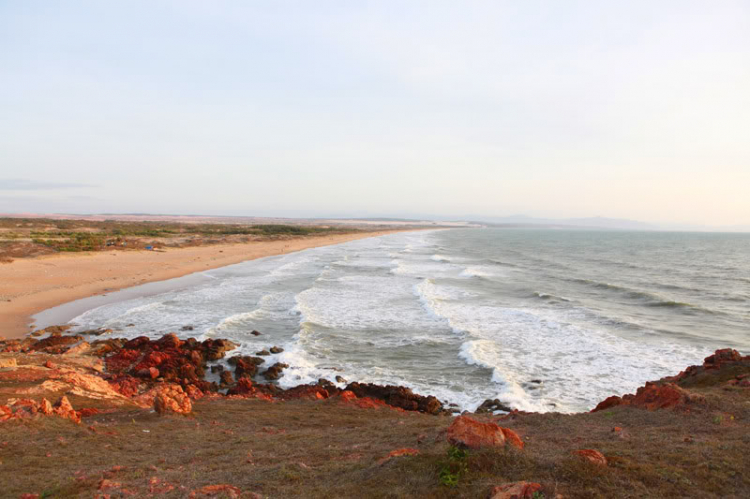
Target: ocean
(544, 320)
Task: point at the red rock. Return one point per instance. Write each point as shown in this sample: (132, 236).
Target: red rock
(6, 413)
(512, 438)
(172, 399)
(347, 396)
(397, 453)
(592, 456)
(49, 365)
(216, 490)
(467, 432)
(720, 357)
(29, 496)
(45, 407)
(64, 409)
(653, 396)
(608, 403)
(88, 412)
(515, 490)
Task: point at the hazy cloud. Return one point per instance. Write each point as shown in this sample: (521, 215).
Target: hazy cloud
(22, 184)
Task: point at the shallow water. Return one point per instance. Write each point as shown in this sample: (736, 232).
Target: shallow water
(543, 320)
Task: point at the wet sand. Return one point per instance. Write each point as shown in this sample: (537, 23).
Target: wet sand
(29, 286)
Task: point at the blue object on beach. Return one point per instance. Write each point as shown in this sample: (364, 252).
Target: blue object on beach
(149, 247)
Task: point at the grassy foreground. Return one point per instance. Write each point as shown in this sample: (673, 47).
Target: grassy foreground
(307, 447)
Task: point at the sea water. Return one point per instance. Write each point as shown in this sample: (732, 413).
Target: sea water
(544, 320)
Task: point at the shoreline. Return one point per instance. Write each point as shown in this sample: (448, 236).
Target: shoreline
(33, 285)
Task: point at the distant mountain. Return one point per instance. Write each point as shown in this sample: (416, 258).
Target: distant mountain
(590, 222)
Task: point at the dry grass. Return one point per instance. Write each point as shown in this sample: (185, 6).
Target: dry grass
(327, 448)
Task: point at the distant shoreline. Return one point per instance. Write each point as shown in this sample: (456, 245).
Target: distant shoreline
(30, 286)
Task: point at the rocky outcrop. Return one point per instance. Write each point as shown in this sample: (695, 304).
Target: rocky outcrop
(28, 408)
(469, 433)
(171, 399)
(653, 396)
(274, 372)
(245, 366)
(397, 396)
(492, 405)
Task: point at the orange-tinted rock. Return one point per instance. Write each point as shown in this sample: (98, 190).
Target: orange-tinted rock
(172, 399)
(347, 396)
(6, 413)
(45, 407)
(467, 432)
(8, 363)
(653, 396)
(592, 456)
(64, 409)
(512, 438)
(399, 452)
(515, 490)
(216, 490)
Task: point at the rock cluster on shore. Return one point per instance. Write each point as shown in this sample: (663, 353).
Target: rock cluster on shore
(167, 373)
(124, 378)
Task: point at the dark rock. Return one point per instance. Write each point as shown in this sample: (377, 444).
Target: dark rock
(492, 405)
(245, 366)
(187, 328)
(226, 378)
(276, 349)
(397, 396)
(263, 353)
(55, 344)
(340, 379)
(256, 333)
(274, 372)
(218, 368)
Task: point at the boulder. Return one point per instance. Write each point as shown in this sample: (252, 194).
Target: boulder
(276, 350)
(515, 490)
(8, 363)
(274, 372)
(466, 432)
(651, 397)
(492, 405)
(397, 396)
(172, 399)
(226, 378)
(64, 409)
(245, 366)
(264, 353)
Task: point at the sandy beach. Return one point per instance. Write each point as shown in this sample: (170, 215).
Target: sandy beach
(28, 286)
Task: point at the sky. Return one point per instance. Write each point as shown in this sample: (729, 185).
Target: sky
(637, 110)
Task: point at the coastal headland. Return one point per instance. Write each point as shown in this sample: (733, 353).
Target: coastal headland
(30, 285)
(89, 415)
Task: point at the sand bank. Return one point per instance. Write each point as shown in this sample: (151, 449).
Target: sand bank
(32, 285)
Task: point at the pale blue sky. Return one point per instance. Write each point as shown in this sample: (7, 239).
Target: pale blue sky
(637, 110)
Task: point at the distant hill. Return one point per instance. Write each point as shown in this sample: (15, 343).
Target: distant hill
(590, 222)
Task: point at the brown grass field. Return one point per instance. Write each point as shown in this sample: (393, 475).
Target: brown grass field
(329, 448)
